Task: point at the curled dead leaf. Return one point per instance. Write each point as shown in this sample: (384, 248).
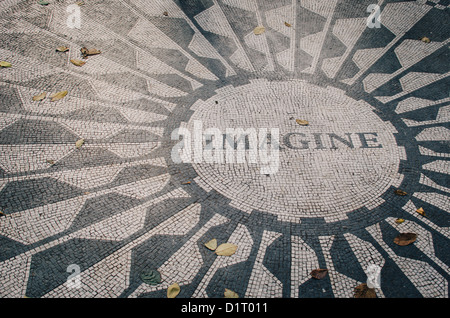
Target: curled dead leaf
(302, 122)
(259, 30)
(5, 64)
(425, 39)
(62, 48)
(226, 249)
(77, 62)
(165, 13)
(58, 96)
(363, 291)
(39, 97)
(400, 192)
(404, 239)
(212, 245)
(287, 24)
(88, 52)
(79, 143)
(230, 294)
(421, 211)
(173, 290)
(319, 273)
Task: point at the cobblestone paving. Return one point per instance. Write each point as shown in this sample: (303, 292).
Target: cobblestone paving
(378, 105)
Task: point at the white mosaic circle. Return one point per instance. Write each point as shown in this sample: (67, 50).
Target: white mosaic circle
(345, 159)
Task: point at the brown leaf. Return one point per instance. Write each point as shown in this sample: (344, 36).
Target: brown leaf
(302, 122)
(88, 52)
(77, 62)
(58, 96)
(319, 273)
(425, 39)
(165, 13)
(52, 162)
(2, 214)
(226, 249)
(404, 239)
(363, 291)
(399, 221)
(259, 30)
(287, 24)
(62, 48)
(400, 192)
(39, 97)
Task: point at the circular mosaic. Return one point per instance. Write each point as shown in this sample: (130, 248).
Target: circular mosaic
(343, 158)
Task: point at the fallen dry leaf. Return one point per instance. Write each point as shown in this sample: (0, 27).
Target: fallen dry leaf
(58, 96)
(399, 221)
(189, 182)
(363, 291)
(400, 192)
(421, 211)
(165, 13)
(302, 122)
(319, 273)
(404, 239)
(230, 294)
(5, 64)
(79, 143)
(39, 97)
(77, 62)
(52, 162)
(2, 214)
(287, 24)
(212, 245)
(226, 249)
(62, 48)
(259, 30)
(425, 39)
(173, 290)
(88, 52)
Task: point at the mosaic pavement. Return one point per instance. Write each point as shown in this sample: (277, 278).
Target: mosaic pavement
(377, 102)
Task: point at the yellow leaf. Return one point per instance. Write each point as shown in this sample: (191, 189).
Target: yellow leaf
(287, 24)
(302, 122)
(58, 96)
(173, 290)
(421, 211)
(399, 221)
(77, 62)
(39, 97)
(226, 249)
(62, 48)
(5, 64)
(230, 294)
(79, 143)
(259, 30)
(425, 39)
(212, 245)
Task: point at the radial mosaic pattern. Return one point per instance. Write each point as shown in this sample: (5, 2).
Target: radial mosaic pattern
(377, 100)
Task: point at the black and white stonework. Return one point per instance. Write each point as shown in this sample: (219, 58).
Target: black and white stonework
(377, 100)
